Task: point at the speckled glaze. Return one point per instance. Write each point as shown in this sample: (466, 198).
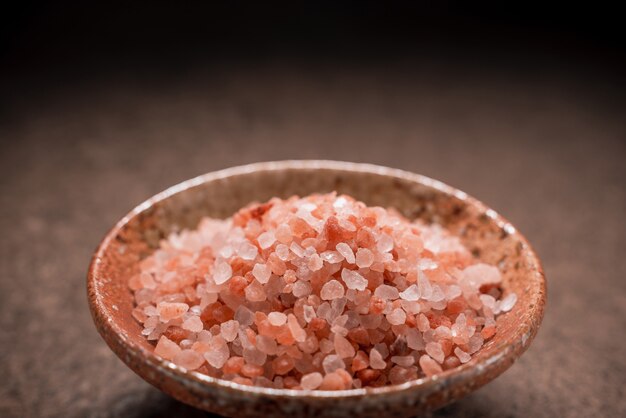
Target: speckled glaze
(489, 236)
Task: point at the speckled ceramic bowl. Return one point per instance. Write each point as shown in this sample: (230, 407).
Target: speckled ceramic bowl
(489, 236)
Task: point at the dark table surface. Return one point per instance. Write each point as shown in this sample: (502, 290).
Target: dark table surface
(545, 148)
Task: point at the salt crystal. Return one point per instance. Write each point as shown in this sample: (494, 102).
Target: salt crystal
(332, 290)
(384, 243)
(424, 286)
(301, 289)
(247, 251)
(396, 317)
(386, 292)
(255, 292)
(345, 250)
(343, 348)
(282, 251)
(376, 360)
(166, 348)
(266, 345)
(429, 366)
(218, 354)
(188, 359)
(411, 293)
(414, 339)
(434, 350)
(296, 330)
(244, 316)
(311, 381)
(331, 257)
(277, 318)
(261, 272)
(168, 311)
(229, 329)
(332, 362)
(309, 313)
(266, 240)
(404, 361)
(364, 258)
(462, 355)
(222, 273)
(193, 324)
(508, 302)
(353, 279)
(315, 262)
(254, 356)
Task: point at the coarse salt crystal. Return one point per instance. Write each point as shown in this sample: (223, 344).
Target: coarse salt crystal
(411, 293)
(345, 250)
(261, 272)
(193, 324)
(277, 318)
(376, 360)
(319, 292)
(386, 292)
(222, 273)
(364, 258)
(266, 240)
(353, 279)
(508, 302)
(332, 290)
(311, 381)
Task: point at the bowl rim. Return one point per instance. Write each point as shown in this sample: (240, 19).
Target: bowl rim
(519, 341)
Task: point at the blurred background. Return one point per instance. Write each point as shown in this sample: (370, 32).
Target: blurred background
(102, 106)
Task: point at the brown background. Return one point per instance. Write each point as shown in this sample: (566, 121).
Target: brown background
(536, 133)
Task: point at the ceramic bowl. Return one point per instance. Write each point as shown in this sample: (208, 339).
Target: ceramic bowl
(489, 236)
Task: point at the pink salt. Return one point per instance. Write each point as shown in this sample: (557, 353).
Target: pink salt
(317, 293)
(332, 290)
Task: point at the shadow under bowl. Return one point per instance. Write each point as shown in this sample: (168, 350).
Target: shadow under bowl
(489, 237)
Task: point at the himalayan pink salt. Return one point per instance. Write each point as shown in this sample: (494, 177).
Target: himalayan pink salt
(247, 251)
(229, 330)
(332, 362)
(317, 293)
(262, 273)
(311, 381)
(332, 290)
(168, 311)
(508, 302)
(193, 324)
(397, 316)
(434, 350)
(166, 348)
(364, 258)
(345, 250)
(222, 272)
(353, 279)
(297, 332)
(404, 361)
(332, 257)
(462, 355)
(376, 360)
(343, 348)
(277, 318)
(266, 240)
(410, 294)
(386, 292)
(189, 359)
(301, 289)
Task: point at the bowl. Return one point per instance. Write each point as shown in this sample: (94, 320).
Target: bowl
(489, 236)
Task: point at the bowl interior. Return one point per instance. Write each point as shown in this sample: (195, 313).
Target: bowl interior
(490, 238)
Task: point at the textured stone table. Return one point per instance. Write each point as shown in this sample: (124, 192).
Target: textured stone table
(546, 149)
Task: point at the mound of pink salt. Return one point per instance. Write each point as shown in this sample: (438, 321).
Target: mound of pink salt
(317, 293)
